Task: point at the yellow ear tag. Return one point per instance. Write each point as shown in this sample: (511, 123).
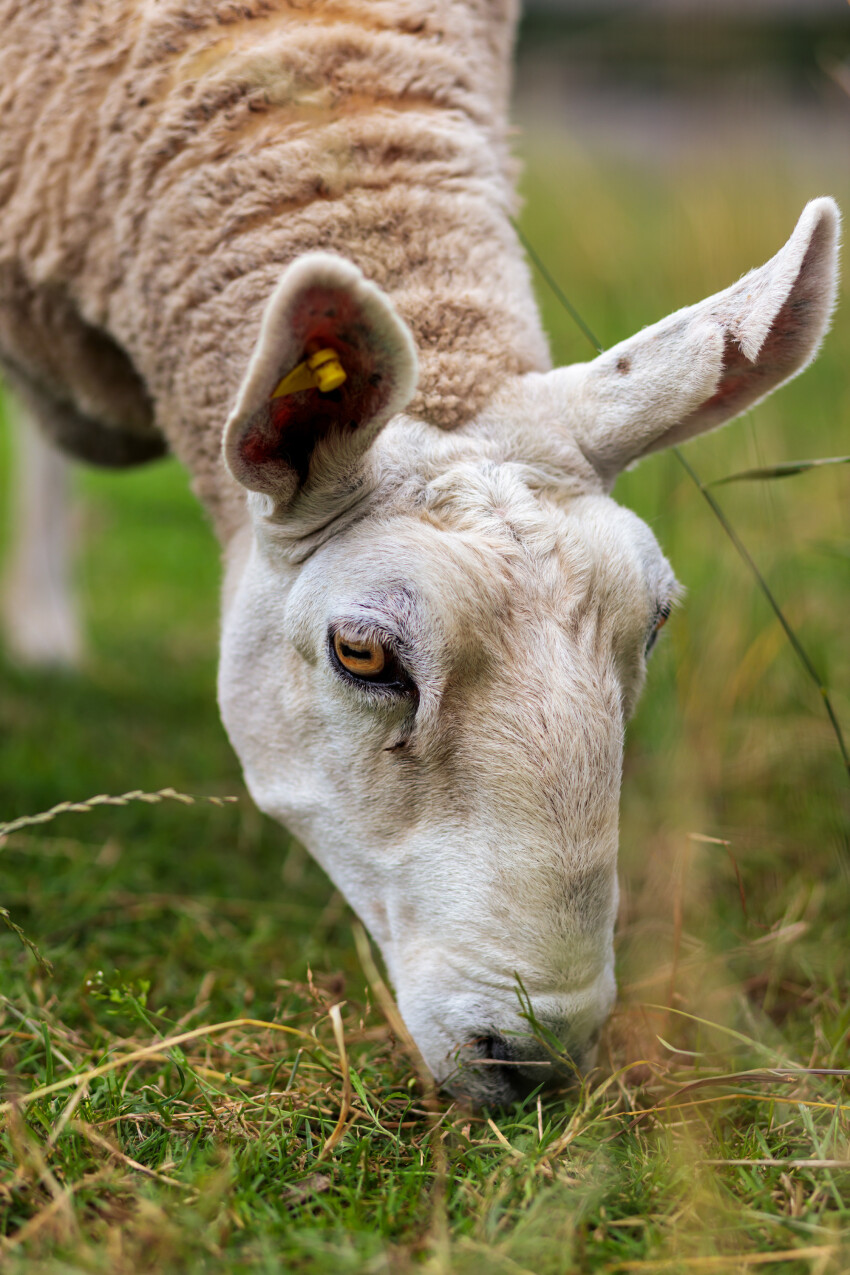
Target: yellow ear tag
(322, 371)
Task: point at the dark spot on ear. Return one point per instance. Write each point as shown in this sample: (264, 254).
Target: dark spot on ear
(352, 424)
(624, 365)
(375, 378)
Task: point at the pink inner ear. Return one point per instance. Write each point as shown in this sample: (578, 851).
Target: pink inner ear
(284, 431)
(743, 382)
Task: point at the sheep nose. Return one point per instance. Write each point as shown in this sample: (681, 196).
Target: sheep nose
(507, 1074)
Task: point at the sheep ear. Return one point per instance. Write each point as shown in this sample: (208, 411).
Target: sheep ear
(280, 442)
(706, 364)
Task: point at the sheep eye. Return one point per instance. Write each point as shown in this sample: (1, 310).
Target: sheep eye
(361, 658)
(662, 615)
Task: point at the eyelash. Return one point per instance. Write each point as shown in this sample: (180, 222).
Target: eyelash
(662, 615)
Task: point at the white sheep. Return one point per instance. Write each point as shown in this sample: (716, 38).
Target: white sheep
(287, 224)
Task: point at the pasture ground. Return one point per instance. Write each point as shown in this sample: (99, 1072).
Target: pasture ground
(692, 1148)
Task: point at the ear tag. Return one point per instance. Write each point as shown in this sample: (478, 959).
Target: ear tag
(322, 371)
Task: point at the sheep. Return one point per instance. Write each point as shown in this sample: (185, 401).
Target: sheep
(275, 238)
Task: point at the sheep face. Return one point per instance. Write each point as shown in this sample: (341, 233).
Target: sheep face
(434, 702)
(432, 642)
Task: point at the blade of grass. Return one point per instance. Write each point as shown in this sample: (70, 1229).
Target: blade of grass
(345, 1104)
(102, 799)
(43, 964)
(785, 1164)
(562, 297)
(97, 1140)
(730, 1260)
(799, 649)
(786, 469)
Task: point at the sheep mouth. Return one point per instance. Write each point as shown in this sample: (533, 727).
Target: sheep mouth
(498, 1071)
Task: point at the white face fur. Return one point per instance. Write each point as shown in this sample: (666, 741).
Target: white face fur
(431, 642)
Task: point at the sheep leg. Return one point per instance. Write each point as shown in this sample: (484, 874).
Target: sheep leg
(38, 608)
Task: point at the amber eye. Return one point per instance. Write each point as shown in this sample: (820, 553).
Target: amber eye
(363, 659)
(662, 615)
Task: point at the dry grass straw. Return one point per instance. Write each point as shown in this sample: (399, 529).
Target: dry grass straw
(102, 799)
(823, 1253)
(155, 1052)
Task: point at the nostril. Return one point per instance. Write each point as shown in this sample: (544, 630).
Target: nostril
(495, 1047)
(512, 1084)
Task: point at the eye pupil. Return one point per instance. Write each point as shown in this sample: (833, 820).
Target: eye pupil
(366, 659)
(352, 653)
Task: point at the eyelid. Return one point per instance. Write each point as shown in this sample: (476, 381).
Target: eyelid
(360, 628)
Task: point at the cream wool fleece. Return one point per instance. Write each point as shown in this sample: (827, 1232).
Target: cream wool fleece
(162, 161)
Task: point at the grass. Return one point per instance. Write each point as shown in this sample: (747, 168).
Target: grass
(709, 1139)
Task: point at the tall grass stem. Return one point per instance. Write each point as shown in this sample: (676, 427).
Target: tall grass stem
(559, 293)
(719, 515)
(800, 650)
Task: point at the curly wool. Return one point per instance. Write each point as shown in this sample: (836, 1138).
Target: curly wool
(160, 165)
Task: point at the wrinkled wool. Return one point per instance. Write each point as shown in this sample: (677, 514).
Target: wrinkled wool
(162, 162)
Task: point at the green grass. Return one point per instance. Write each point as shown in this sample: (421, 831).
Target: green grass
(733, 951)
